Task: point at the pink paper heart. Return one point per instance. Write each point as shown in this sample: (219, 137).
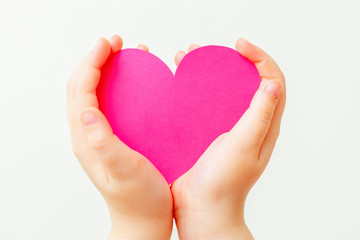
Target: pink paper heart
(169, 119)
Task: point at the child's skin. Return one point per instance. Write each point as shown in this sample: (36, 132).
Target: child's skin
(208, 201)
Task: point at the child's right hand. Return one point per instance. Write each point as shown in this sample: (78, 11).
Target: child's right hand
(137, 195)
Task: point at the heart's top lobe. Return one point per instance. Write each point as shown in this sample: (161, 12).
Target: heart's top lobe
(169, 119)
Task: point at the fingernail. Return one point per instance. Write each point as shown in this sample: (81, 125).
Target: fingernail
(89, 118)
(273, 88)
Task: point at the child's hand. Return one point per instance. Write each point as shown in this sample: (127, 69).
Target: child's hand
(137, 195)
(209, 199)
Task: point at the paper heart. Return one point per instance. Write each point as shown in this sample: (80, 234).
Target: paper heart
(169, 119)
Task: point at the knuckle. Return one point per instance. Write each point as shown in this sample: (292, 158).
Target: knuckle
(100, 146)
(128, 162)
(252, 147)
(265, 115)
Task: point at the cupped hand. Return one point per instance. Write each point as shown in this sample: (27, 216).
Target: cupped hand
(137, 195)
(209, 199)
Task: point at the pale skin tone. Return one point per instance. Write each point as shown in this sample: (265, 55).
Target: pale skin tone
(208, 201)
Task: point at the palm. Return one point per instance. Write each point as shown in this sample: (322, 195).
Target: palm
(138, 197)
(220, 170)
(221, 179)
(146, 183)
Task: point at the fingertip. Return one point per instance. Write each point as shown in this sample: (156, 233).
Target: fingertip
(143, 47)
(241, 42)
(102, 44)
(193, 47)
(88, 118)
(96, 127)
(91, 116)
(178, 57)
(116, 43)
(99, 54)
(242, 45)
(273, 88)
(266, 65)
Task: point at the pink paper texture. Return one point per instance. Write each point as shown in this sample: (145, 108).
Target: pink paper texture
(169, 119)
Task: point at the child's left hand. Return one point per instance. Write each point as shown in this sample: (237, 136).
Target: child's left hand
(137, 195)
(209, 199)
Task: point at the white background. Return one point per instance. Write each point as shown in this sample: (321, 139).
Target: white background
(310, 189)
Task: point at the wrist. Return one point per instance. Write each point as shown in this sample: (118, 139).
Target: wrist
(138, 229)
(222, 224)
(214, 231)
(238, 232)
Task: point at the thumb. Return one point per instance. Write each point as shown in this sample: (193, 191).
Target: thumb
(117, 158)
(251, 129)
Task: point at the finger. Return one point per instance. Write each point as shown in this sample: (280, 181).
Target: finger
(268, 70)
(178, 57)
(117, 158)
(249, 132)
(81, 93)
(181, 54)
(265, 65)
(193, 47)
(143, 47)
(81, 89)
(116, 43)
(270, 140)
(87, 74)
